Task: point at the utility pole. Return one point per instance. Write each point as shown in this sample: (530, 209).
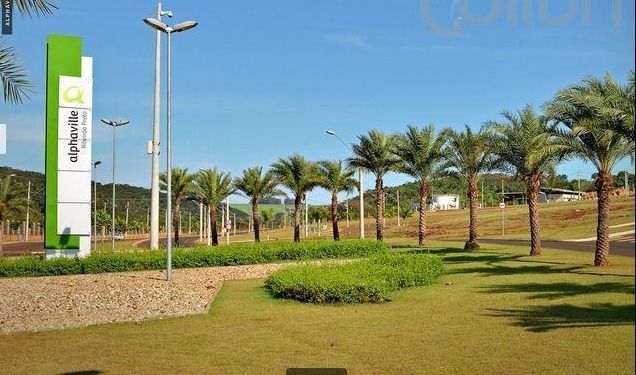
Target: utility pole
(209, 225)
(249, 224)
(26, 233)
(126, 226)
(384, 209)
(347, 206)
(95, 164)
(503, 218)
(200, 222)
(578, 174)
(227, 221)
(626, 190)
(397, 192)
(361, 188)
(306, 216)
(156, 133)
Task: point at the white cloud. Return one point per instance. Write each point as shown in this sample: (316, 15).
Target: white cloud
(348, 39)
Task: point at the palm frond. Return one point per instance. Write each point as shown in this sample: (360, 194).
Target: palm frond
(32, 8)
(15, 84)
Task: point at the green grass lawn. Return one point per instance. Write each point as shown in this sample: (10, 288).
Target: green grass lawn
(494, 311)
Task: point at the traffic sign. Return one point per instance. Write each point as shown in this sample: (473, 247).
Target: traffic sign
(502, 205)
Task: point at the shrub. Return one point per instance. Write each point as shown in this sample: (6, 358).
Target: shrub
(238, 254)
(370, 280)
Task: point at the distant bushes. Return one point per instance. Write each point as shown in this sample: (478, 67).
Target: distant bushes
(239, 254)
(369, 280)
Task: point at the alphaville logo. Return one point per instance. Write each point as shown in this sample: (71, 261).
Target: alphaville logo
(73, 94)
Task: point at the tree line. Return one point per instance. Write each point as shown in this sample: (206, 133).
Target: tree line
(592, 120)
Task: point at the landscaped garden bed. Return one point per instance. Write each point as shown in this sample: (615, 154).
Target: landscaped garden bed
(239, 254)
(369, 280)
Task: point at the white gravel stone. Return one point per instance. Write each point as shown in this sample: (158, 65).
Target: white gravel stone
(44, 303)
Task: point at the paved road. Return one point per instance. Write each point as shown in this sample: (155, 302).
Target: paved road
(620, 245)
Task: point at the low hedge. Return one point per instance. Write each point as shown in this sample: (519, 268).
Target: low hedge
(370, 280)
(238, 254)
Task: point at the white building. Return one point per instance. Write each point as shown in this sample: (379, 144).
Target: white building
(444, 202)
(561, 195)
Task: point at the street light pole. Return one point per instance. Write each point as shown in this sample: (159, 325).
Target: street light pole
(156, 133)
(360, 180)
(201, 221)
(227, 220)
(95, 164)
(397, 192)
(114, 124)
(26, 232)
(160, 26)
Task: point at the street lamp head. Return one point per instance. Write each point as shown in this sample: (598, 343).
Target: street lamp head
(115, 122)
(330, 132)
(98, 162)
(156, 24)
(183, 26)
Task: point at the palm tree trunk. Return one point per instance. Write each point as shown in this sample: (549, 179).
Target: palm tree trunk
(379, 203)
(422, 223)
(533, 188)
(604, 185)
(177, 223)
(256, 221)
(215, 236)
(334, 217)
(472, 227)
(297, 212)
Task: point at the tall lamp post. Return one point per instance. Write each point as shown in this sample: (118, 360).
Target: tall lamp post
(115, 124)
(183, 26)
(95, 164)
(26, 232)
(361, 183)
(156, 132)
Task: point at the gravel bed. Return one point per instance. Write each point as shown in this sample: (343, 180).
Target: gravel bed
(55, 302)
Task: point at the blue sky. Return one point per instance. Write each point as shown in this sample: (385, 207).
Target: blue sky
(259, 80)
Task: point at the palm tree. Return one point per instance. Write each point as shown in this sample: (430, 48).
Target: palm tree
(11, 201)
(300, 176)
(523, 145)
(592, 135)
(606, 101)
(375, 153)
(256, 186)
(213, 186)
(16, 86)
(468, 156)
(182, 188)
(421, 153)
(335, 179)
